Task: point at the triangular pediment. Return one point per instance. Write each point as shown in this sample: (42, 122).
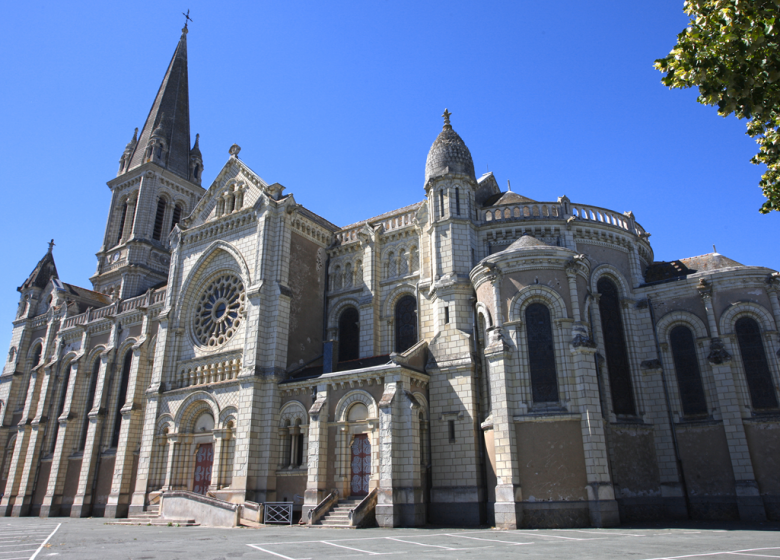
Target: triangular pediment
(234, 178)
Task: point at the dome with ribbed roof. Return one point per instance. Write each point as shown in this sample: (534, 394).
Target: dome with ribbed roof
(448, 154)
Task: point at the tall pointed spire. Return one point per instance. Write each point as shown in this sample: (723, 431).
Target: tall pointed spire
(169, 116)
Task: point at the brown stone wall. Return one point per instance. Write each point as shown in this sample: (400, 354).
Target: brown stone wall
(307, 304)
(708, 473)
(551, 461)
(633, 461)
(288, 486)
(764, 443)
(71, 485)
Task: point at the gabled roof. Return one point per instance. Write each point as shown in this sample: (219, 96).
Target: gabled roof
(41, 274)
(509, 197)
(170, 113)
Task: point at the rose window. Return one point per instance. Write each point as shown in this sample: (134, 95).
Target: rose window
(220, 311)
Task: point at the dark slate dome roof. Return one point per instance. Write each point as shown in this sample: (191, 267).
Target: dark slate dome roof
(448, 153)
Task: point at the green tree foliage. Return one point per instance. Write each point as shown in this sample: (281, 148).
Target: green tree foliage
(731, 51)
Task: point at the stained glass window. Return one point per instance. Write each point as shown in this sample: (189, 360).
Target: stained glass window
(405, 323)
(759, 380)
(349, 335)
(686, 366)
(615, 348)
(541, 353)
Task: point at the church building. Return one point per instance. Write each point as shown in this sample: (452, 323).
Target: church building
(475, 358)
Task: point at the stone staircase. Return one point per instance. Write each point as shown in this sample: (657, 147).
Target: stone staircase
(338, 516)
(152, 517)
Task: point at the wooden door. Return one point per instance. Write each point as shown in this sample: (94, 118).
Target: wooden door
(361, 465)
(204, 461)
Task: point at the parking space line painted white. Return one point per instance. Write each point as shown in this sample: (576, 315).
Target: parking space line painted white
(357, 549)
(489, 540)
(610, 533)
(702, 554)
(17, 551)
(275, 553)
(758, 555)
(44, 542)
(433, 545)
(519, 532)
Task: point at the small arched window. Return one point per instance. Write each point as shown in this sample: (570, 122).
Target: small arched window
(686, 366)
(121, 397)
(759, 379)
(405, 323)
(349, 335)
(441, 203)
(541, 353)
(89, 403)
(457, 201)
(158, 219)
(615, 348)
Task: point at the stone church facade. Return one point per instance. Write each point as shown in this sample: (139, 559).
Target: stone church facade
(477, 357)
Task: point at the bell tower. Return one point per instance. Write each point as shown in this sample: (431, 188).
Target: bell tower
(157, 185)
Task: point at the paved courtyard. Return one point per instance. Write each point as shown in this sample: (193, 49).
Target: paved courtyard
(83, 539)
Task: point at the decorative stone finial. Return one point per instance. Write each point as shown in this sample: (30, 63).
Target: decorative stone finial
(234, 150)
(446, 116)
(508, 185)
(51, 243)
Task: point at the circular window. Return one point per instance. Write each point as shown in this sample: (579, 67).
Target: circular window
(220, 311)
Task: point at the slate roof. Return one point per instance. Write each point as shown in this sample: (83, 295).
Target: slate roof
(41, 274)
(172, 103)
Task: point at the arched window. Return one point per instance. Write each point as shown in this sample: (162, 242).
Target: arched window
(441, 203)
(759, 380)
(405, 323)
(89, 403)
(121, 397)
(176, 216)
(541, 353)
(158, 219)
(349, 335)
(457, 201)
(686, 365)
(615, 348)
(122, 218)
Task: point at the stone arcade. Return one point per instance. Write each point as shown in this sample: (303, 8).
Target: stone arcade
(477, 357)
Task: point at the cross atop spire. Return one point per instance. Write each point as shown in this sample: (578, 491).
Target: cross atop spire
(446, 116)
(188, 18)
(51, 245)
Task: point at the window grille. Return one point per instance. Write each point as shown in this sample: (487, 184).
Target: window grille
(349, 335)
(686, 365)
(541, 353)
(615, 348)
(759, 380)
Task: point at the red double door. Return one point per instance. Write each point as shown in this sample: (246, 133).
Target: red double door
(360, 465)
(204, 462)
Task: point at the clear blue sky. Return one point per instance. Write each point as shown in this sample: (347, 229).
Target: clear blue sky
(340, 102)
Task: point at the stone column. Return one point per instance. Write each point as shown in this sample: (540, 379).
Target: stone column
(508, 509)
(318, 452)
(601, 494)
(82, 501)
(15, 470)
(65, 438)
(221, 438)
(129, 435)
(38, 430)
(749, 501)
(138, 501)
(170, 474)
